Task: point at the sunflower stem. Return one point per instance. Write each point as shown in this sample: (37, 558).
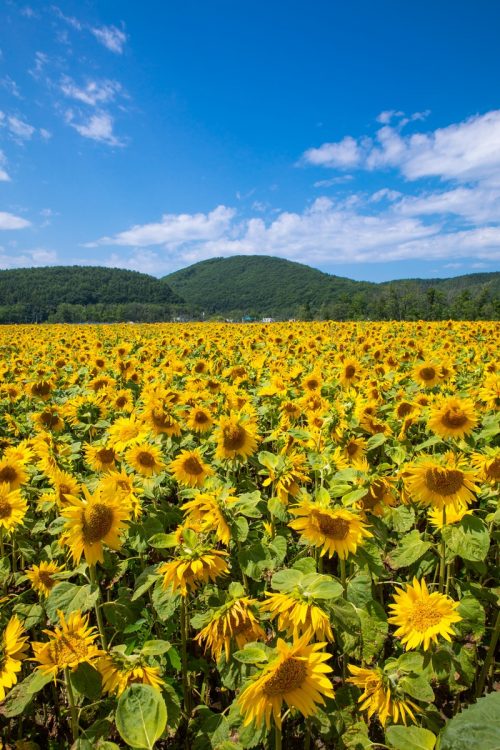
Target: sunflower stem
(277, 738)
(489, 658)
(343, 577)
(184, 638)
(72, 705)
(98, 613)
(442, 556)
(307, 743)
(243, 574)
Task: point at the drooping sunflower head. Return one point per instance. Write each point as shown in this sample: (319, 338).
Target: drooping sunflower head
(119, 671)
(380, 696)
(487, 464)
(452, 417)
(70, 643)
(189, 468)
(422, 617)
(233, 623)
(210, 511)
(192, 568)
(298, 615)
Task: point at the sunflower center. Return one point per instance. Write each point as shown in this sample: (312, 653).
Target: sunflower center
(200, 417)
(443, 481)
(289, 676)
(67, 649)
(49, 418)
(404, 409)
(146, 459)
(350, 371)
(493, 470)
(335, 528)
(97, 522)
(5, 509)
(46, 579)
(8, 474)
(193, 466)
(427, 373)
(454, 418)
(312, 384)
(424, 615)
(106, 455)
(120, 402)
(233, 437)
(352, 448)
(40, 389)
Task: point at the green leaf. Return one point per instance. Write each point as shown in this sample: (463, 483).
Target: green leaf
(155, 648)
(19, 698)
(141, 716)
(69, 597)
(410, 738)
(251, 655)
(468, 539)
(478, 726)
(403, 518)
(346, 625)
(144, 582)
(164, 602)
(409, 550)
(376, 441)
(359, 589)
(374, 629)
(418, 687)
(162, 541)
(4, 570)
(240, 528)
(320, 586)
(474, 618)
(286, 580)
(87, 681)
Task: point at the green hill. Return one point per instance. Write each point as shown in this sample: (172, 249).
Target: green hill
(259, 286)
(69, 293)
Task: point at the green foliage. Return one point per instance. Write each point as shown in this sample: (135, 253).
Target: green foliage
(141, 716)
(478, 726)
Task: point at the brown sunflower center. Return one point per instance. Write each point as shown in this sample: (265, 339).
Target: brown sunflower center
(290, 675)
(49, 418)
(120, 402)
(5, 509)
(64, 491)
(444, 481)
(454, 418)
(233, 437)
(424, 615)
(40, 389)
(335, 528)
(160, 419)
(404, 409)
(427, 373)
(46, 579)
(493, 469)
(97, 522)
(192, 466)
(146, 459)
(312, 384)
(8, 474)
(67, 649)
(352, 448)
(200, 417)
(349, 371)
(106, 455)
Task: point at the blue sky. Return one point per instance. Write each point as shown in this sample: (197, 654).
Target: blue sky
(361, 138)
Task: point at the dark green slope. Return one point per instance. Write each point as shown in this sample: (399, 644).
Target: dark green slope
(262, 285)
(259, 285)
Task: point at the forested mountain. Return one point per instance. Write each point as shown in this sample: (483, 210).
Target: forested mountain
(259, 286)
(249, 287)
(80, 293)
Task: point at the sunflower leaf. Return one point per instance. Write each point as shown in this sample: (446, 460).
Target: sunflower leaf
(141, 716)
(410, 738)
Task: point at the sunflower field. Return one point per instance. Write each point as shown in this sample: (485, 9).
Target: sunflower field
(222, 536)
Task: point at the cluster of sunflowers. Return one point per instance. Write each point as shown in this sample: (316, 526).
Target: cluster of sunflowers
(246, 535)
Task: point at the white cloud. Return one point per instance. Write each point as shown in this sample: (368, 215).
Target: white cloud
(70, 20)
(93, 92)
(11, 86)
(20, 129)
(4, 177)
(26, 258)
(345, 154)
(389, 114)
(10, 221)
(111, 37)
(41, 60)
(98, 127)
(45, 134)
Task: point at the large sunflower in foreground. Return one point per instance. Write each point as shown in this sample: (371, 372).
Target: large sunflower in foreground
(189, 468)
(297, 676)
(440, 482)
(422, 617)
(13, 507)
(192, 568)
(236, 437)
(91, 523)
(334, 530)
(379, 696)
(71, 643)
(13, 647)
(452, 417)
(234, 622)
(118, 671)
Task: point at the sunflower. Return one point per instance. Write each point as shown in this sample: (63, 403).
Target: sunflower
(145, 459)
(297, 675)
(97, 520)
(487, 464)
(209, 510)
(378, 496)
(489, 392)
(453, 515)
(199, 420)
(12, 472)
(122, 400)
(312, 382)
(118, 671)
(452, 417)
(284, 472)
(335, 530)
(65, 485)
(192, 568)
(350, 372)
(125, 431)
(71, 643)
(236, 436)
(41, 576)
(100, 457)
(298, 616)
(440, 483)
(189, 468)
(48, 419)
(427, 373)
(234, 622)
(159, 418)
(13, 507)
(354, 451)
(380, 696)
(422, 617)
(120, 486)
(13, 647)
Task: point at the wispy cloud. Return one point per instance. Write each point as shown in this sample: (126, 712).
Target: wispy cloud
(10, 221)
(93, 92)
(4, 177)
(98, 127)
(20, 129)
(110, 37)
(38, 256)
